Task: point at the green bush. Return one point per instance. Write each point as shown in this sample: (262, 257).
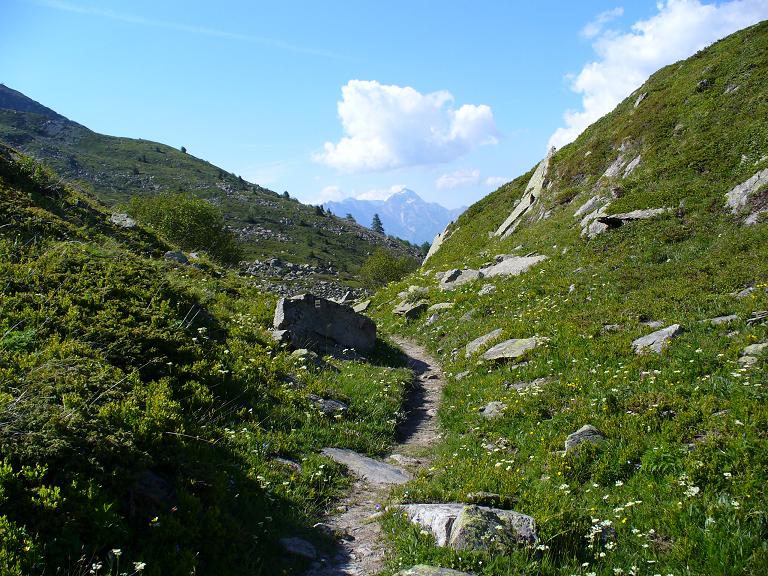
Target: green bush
(190, 222)
(383, 267)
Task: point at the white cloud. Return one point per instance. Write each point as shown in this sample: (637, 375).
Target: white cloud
(387, 126)
(337, 194)
(496, 181)
(457, 179)
(625, 61)
(596, 26)
(380, 193)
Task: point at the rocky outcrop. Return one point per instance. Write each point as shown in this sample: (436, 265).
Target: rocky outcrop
(306, 321)
(511, 349)
(655, 341)
(532, 193)
(512, 266)
(471, 527)
(410, 310)
(438, 242)
(749, 199)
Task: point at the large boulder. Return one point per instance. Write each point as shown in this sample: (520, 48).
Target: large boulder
(470, 527)
(308, 321)
(586, 433)
(478, 343)
(455, 278)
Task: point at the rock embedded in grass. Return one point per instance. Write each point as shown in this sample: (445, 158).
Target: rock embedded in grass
(410, 310)
(492, 409)
(481, 341)
(424, 570)
(486, 289)
(440, 306)
(375, 471)
(655, 341)
(586, 433)
(327, 405)
(511, 349)
(455, 278)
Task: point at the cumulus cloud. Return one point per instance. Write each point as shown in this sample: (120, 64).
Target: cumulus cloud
(337, 194)
(380, 193)
(458, 179)
(387, 127)
(329, 194)
(625, 60)
(496, 181)
(596, 26)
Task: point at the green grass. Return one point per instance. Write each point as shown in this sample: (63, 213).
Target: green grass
(681, 476)
(143, 404)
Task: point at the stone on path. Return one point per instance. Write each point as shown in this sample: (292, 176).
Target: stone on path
(471, 527)
(308, 321)
(298, 547)
(492, 409)
(586, 433)
(655, 341)
(424, 570)
(511, 349)
(375, 471)
(478, 343)
(410, 310)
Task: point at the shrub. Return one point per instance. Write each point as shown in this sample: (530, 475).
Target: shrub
(383, 267)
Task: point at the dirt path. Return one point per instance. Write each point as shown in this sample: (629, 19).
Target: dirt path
(360, 550)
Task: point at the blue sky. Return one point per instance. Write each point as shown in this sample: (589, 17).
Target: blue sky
(340, 98)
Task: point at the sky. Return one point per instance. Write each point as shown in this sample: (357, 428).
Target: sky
(361, 98)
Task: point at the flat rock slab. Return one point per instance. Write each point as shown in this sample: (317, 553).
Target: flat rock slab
(424, 570)
(375, 471)
(722, 319)
(308, 321)
(455, 278)
(298, 547)
(478, 343)
(471, 527)
(655, 341)
(511, 349)
(616, 220)
(512, 266)
(755, 349)
(361, 306)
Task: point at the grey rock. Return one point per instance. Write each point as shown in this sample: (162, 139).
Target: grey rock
(375, 471)
(608, 328)
(744, 293)
(640, 98)
(511, 349)
(586, 433)
(757, 317)
(747, 361)
(455, 278)
(470, 527)
(615, 168)
(327, 405)
(523, 385)
(176, 256)
(424, 570)
(731, 88)
(362, 306)
(295, 466)
(656, 341)
(755, 349)
(655, 324)
(432, 319)
(298, 547)
(410, 310)
(486, 289)
(492, 410)
(718, 320)
(533, 191)
(309, 358)
(631, 167)
(738, 199)
(588, 206)
(461, 375)
(704, 84)
(512, 266)
(438, 242)
(616, 220)
(478, 343)
(122, 220)
(440, 306)
(319, 324)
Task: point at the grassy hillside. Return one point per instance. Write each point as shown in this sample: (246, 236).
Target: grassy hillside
(679, 484)
(115, 169)
(143, 404)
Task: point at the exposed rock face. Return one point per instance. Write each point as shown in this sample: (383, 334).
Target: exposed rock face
(532, 193)
(470, 527)
(512, 266)
(410, 310)
(122, 220)
(750, 197)
(478, 343)
(455, 278)
(307, 321)
(437, 243)
(586, 433)
(511, 349)
(655, 341)
(375, 471)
